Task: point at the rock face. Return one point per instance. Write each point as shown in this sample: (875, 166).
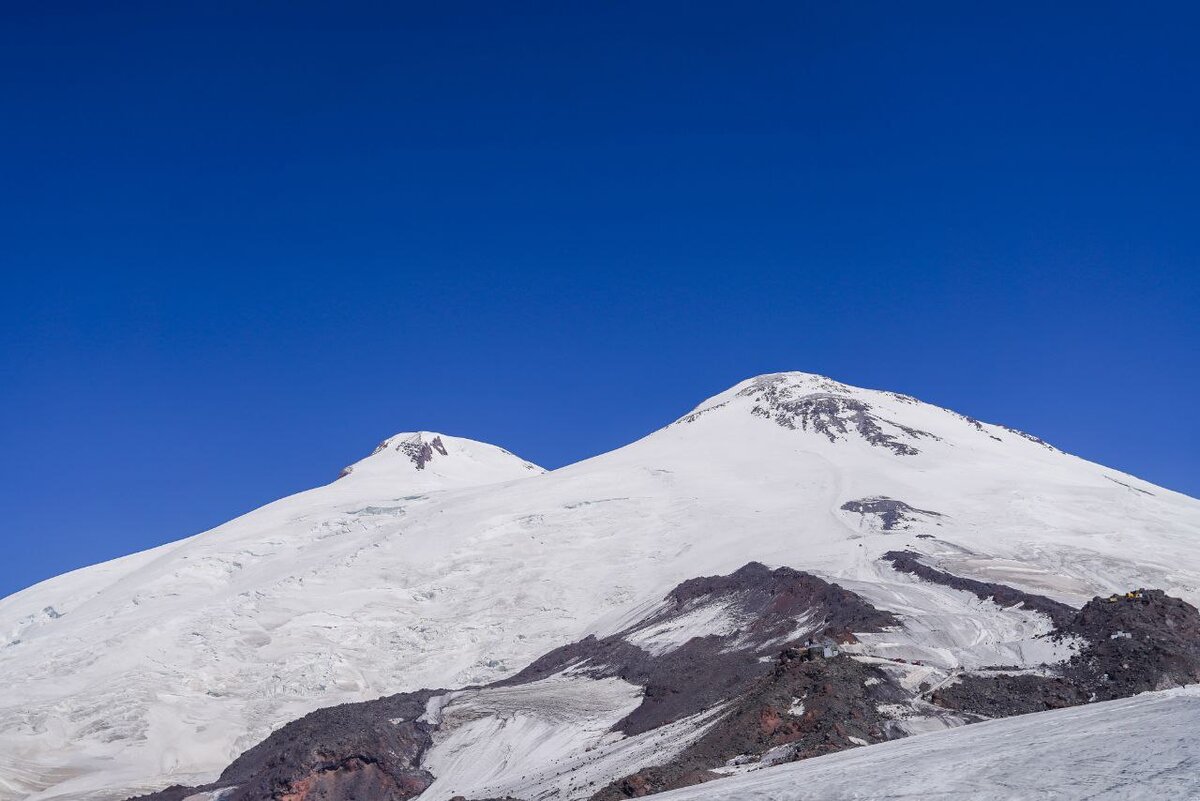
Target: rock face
(1150, 641)
(421, 451)
(827, 408)
(370, 750)
(1128, 644)
(707, 642)
(833, 414)
(888, 513)
(1003, 595)
(800, 708)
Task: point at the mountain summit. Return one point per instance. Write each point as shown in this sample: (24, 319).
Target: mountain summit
(444, 562)
(427, 460)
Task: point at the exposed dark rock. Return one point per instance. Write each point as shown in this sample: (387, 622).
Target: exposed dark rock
(908, 562)
(656, 779)
(1129, 645)
(1149, 642)
(835, 416)
(828, 409)
(176, 792)
(1030, 437)
(1005, 695)
(766, 605)
(774, 598)
(892, 514)
(798, 709)
(351, 751)
(1130, 486)
(418, 450)
(415, 448)
(839, 699)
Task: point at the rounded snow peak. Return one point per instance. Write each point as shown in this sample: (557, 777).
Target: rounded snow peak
(431, 460)
(419, 447)
(794, 380)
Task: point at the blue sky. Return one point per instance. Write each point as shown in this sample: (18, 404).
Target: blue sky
(241, 247)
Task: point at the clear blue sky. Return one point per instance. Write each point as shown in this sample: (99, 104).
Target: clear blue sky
(241, 247)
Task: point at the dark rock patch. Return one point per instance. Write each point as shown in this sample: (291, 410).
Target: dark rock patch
(839, 697)
(1030, 437)
(351, 751)
(1005, 695)
(892, 514)
(1148, 642)
(1144, 641)
(656, 779)
(1001, 594)
(420, 451)
(710, 669)
(800, 708)
(835, 416)
(1129, 486)
(829, 413)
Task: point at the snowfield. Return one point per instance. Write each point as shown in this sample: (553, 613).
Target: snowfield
(1137, 748)
(550, 738)
(161, 667)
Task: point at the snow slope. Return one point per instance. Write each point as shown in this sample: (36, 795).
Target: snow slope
(162, 666)
(1127, 750)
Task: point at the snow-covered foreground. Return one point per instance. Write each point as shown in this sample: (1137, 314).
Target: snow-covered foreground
(1143, 747)
(163, 666)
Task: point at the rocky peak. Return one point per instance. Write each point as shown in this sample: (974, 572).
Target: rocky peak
(419, 447)
(831, 409)
(426, 460)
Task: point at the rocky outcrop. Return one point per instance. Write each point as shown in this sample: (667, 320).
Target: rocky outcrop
(758, 612)
(800, 708)
(887, 513)
(370, 750)
(825, 407)
(1128, 644)
(420, 451)
(1001, 594)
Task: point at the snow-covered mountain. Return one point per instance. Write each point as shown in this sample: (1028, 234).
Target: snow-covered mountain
(438, 562)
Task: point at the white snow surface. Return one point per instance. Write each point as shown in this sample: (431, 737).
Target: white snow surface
(1135, 749)
(161, 667)
(549, 739)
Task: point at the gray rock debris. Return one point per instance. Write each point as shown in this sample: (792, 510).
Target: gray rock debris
(831, 414)
(891, 513)
(420, 451)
